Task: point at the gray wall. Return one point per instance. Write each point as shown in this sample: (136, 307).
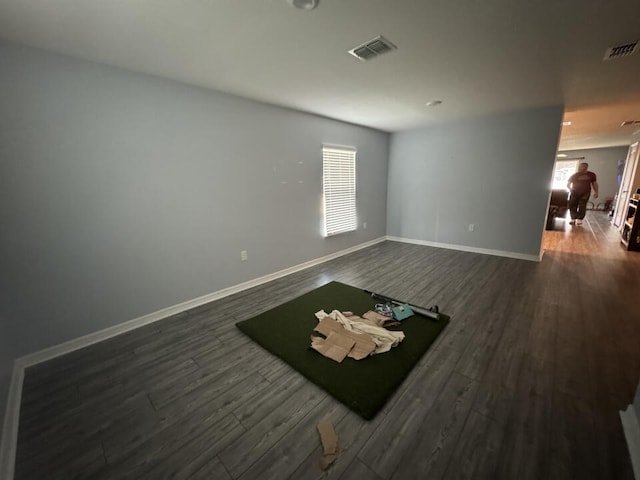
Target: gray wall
(604, 163)
(122, 194)
(493, 172)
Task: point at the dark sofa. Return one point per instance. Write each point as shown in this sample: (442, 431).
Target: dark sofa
(558, 206)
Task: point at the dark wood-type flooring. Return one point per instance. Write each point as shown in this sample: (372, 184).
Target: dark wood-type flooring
(526, 382)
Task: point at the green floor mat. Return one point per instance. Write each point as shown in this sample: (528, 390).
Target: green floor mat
(362, 385)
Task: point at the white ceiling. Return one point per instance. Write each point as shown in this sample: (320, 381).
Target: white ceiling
(478, 56)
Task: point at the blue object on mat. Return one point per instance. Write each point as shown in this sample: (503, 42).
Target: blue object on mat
(402, 311)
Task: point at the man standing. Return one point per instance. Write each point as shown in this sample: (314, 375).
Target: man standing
(579, 185)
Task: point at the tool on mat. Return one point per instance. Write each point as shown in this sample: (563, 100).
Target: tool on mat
(430, 312)
(384, 309)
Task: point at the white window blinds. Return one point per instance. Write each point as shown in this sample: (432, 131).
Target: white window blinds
(339, 189)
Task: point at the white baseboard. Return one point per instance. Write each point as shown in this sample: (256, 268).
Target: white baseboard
(95, 337)
(631, 427)
(465, 248)
(12, 413)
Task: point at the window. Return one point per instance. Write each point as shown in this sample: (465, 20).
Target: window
(339, 189)
(561, 173)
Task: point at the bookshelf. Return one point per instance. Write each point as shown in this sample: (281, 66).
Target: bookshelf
(630, 236)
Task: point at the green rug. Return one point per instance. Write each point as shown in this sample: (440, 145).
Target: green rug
(362, 385)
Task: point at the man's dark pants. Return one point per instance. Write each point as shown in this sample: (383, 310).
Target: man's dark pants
(578, 205)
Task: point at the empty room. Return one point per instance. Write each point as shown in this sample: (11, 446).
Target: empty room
(307, 239)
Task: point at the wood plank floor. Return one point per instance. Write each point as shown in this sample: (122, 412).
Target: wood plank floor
(526, 382)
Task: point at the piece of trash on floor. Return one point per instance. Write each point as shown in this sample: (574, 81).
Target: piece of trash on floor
(329, 440)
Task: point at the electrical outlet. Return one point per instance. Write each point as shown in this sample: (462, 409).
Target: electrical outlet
(364, 225)
(244, 256)
(472, 227)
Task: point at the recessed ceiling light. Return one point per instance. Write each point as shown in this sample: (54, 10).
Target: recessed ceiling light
(566, 124)
(303, 4)
(433, 103)
(561, 155)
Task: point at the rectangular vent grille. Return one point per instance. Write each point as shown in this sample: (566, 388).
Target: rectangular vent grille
(372, 48)
(621, 51)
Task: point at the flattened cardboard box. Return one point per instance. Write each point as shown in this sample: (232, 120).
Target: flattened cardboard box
(362, 346)
(335, 346)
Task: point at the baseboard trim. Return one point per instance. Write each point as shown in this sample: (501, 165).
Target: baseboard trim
(465, 248)
(95, 337)
(8, 443)
(12, 412)
(631, 427)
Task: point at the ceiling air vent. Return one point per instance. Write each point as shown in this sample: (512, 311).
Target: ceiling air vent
(372, 48)
(621, 51)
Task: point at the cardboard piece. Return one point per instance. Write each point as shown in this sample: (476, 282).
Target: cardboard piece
(329, 440)
(379, 320)
(336, 346)
(363, 344)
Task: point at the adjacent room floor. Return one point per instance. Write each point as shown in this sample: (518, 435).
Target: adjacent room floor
(526, 382)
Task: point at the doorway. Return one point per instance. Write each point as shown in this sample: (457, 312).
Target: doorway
(627, 186)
